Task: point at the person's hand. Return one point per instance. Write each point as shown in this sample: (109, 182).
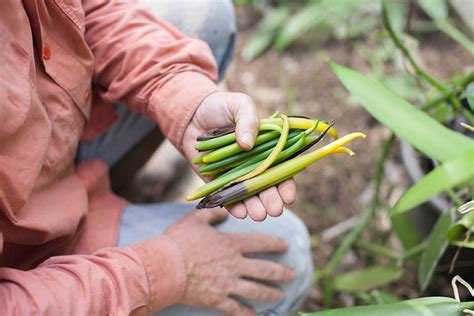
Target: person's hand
(223, 109)
(217, 268)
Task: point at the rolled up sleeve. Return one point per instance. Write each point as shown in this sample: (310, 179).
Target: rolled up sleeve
(113, 281)
(148, 64)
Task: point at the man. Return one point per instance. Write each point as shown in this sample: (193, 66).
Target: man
(68, 246)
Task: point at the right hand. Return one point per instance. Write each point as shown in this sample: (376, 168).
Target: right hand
(217, 267)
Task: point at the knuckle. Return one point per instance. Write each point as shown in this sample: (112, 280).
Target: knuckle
(273, 294)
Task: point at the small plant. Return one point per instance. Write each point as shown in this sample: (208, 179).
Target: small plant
(276, 157)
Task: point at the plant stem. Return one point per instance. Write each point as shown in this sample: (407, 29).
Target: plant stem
(422, 73)
(448, 94)
(454, 198)
(413, 251)
(378, 249)
(435, 101)
(327, 292)
(351, 238)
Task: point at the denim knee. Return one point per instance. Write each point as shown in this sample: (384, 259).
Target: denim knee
(300, 259)
(291, 228)
(219, 31)
(209, 20)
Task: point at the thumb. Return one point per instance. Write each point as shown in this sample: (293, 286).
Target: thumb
(246, 120)
(212, 216)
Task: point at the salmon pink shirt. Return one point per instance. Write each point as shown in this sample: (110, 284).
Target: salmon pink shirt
(62, 64)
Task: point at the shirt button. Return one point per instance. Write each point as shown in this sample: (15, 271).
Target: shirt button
(46, 52)
(87, 95)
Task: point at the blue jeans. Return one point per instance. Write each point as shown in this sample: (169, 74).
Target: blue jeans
(212, 21)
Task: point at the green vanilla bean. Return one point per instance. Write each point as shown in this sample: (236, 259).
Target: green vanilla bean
(262, 189)
(274, 175)
(245, 154)
(234, 148)
(274, 154)
(265, 154)
(339, 150)
(229, 177)
(220, 165)
(301, 123)
(223, 140)
(265, 124)
(276, 114)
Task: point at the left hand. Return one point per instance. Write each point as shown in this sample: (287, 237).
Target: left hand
(223, 109)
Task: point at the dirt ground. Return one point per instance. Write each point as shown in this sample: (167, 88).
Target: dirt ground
(300, 82)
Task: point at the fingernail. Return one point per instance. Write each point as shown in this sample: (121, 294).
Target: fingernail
(247, 139)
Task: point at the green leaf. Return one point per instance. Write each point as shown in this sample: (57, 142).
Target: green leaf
(426, 306)
(446, 176)
(435, 9)
(382, 297)
(443, 113)
(406, 232)
(437, 244)
(312, 15)
(398, 12)
(267, 30)
(408, 122)
(450, 30)
(366, 279)
(469, 95)
(457, 232)
(438, 11)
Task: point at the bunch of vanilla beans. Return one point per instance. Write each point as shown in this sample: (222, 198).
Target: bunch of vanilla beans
(276, 156)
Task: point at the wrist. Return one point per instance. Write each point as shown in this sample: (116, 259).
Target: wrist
(174, 105)
(165, 269)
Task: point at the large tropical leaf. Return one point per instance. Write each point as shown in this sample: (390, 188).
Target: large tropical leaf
(366, 279)
(408, 122)
(426, 306)
(446, 176)
(437, 244)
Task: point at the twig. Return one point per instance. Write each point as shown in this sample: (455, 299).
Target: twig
(458, 251)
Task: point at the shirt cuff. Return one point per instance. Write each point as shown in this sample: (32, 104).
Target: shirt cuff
(165, 269)
(175, 103)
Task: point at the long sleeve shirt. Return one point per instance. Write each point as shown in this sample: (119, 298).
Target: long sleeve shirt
(62, 64)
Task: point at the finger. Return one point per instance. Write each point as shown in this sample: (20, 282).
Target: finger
(266, 270)
(256, 291)
(260, 243)
(238, 210)
(232, 307)
(246, 119)
(271, 201)
(211, 216)
(287, 190)
(255, 209)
